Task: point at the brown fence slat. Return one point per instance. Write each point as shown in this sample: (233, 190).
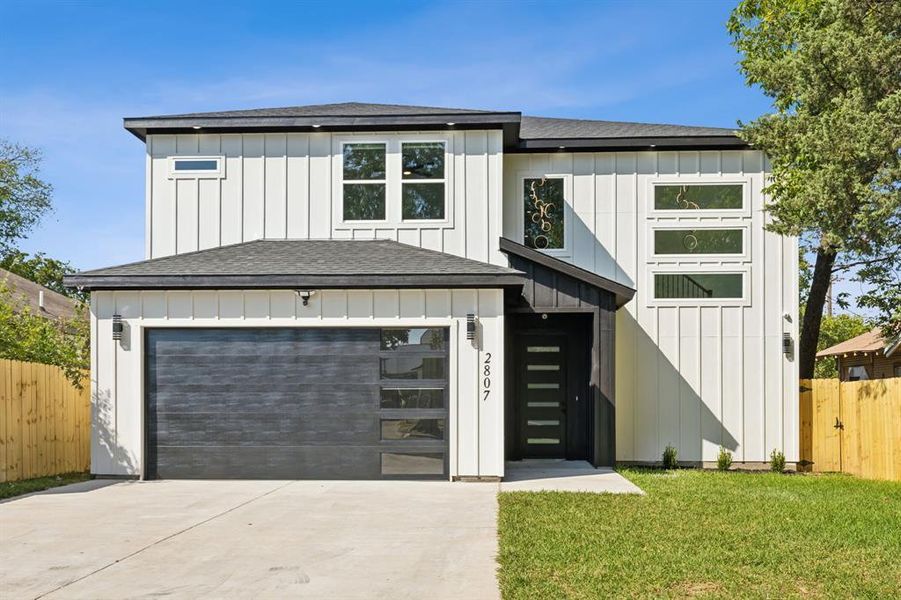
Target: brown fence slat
(867, 441)
(44, 422)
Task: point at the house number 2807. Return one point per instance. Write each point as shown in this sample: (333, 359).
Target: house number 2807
(486, 376)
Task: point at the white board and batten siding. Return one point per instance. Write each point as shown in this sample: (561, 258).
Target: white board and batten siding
(288, 185)
(475, 430)
(693, 374)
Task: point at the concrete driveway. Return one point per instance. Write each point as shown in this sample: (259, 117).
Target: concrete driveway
(251, 539)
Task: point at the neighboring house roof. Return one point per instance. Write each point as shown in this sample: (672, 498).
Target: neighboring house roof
(269, 264)
(521, 133)
(871, 341)
(623, 293)
(28, 293)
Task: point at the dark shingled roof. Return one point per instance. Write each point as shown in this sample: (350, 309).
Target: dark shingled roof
(342, 109)
(547, 128)
(301, 263)
(524, 134)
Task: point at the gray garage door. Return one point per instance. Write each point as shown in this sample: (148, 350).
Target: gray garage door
(323, 403)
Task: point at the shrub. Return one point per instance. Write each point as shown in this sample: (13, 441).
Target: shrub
(777, 461)
(669, 458)
(724, 460)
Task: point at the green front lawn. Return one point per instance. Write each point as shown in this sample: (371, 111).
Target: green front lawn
(705, 534)
(9, 489)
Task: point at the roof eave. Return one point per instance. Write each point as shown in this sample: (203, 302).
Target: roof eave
(509, 122)
(164, 282)
(699, 142)
(623, 293)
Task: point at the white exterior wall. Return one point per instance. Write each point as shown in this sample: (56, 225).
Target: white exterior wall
(694, 374)
(476, 422)
(279, 185)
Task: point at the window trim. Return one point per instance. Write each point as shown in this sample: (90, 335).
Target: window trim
(653, 271)
(217, 173)
(342, 181)
(743, 256)
(393, 191)
(443, 180)
(744, 211)
(568, 213)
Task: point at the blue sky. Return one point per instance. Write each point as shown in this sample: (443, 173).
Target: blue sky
(72, 70)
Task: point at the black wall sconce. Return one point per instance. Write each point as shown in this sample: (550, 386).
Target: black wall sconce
(787, 345)
(118, 327)
(470, 326)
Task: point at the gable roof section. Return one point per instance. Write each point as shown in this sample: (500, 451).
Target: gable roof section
(871, 341)
(622, 292)
(298, 264)
(26, 293)
(521, 133)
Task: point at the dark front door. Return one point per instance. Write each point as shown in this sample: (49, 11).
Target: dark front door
(542, 395)
(550, 383)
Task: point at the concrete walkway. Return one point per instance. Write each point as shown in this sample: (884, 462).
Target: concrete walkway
(564, 476)
(251, 539)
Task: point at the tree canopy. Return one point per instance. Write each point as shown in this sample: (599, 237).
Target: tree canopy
(832, 70)
(24, 197)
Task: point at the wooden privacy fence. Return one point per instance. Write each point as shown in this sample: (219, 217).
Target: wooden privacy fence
(45, 422)
(852, 426)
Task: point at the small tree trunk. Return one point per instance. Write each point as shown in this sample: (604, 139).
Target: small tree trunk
(813, 312)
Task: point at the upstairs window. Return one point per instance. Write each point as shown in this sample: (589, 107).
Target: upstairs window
(364, 182)
(669, 286)
(698, 197)
(422, 181)
(698, 241)
(196, 167)
(544, 212)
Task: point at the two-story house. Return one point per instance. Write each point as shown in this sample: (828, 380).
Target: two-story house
(366, 291)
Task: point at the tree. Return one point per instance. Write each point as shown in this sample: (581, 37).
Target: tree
(831, 68)
(28, 337)
(41, 269)
(24, 198)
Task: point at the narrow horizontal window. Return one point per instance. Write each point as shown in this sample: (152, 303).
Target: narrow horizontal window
(698, 197)
(413, 367)
(544, 213)
(364, 187)
(423, 178)
(412, 429)
(542, 404)
(542, 348)
(542, 423)
(698, 241)
(698, 285)
(543, 386)
(542, 441)
(419, 463)
(432, 339)
(411, 398)
(542, 367)
(196, 165)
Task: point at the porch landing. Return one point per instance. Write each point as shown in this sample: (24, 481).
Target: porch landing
(541, 475)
